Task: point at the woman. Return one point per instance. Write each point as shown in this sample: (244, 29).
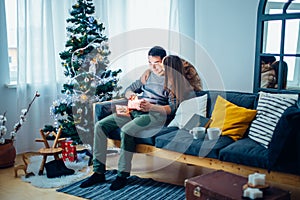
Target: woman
(175, 80)
(176, 85)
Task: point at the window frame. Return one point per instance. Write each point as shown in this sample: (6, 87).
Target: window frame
(262, 17)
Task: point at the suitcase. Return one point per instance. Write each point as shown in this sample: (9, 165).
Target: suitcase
(221, 185)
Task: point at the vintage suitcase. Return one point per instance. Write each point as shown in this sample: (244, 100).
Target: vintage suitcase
(221, 185)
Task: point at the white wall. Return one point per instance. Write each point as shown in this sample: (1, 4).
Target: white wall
(227, 31)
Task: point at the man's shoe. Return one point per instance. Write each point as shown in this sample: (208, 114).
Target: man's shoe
(118, 183)
(92, 180)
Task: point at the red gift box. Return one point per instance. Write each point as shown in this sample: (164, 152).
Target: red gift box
(68, 151)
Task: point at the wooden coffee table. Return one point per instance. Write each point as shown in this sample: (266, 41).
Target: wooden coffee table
(220, 185)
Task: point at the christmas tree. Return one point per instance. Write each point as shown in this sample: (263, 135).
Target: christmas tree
(85, 61)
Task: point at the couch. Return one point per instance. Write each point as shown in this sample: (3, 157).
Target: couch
(280, 161)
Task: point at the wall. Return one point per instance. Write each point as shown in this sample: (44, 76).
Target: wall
(227, 31)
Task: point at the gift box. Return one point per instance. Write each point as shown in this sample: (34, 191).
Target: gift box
(134, 103)
(68, 151)
(122, 110)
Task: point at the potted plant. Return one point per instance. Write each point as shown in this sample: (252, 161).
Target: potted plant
(7, 149)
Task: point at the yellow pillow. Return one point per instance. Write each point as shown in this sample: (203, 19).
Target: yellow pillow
(231, 119)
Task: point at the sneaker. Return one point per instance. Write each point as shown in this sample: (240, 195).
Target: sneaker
(118, 183)
(92, 180)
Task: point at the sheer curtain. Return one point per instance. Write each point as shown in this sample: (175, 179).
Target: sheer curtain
(41, 36)
(182, 28)
(133, 27)
(3, 45)
(185, 33)
(132, 31)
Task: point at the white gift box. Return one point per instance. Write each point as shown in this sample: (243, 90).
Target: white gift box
(252, 193)
(256, 179)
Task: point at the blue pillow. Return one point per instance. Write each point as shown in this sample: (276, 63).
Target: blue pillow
(283, 143)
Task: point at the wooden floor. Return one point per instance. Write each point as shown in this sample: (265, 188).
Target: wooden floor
(143, 166)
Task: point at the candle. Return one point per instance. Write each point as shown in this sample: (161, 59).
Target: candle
(252, 193)
(256, 179)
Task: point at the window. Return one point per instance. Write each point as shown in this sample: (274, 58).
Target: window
(11, 23)
(278, 36)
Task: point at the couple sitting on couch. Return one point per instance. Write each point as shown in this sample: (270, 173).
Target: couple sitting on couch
(163, 87)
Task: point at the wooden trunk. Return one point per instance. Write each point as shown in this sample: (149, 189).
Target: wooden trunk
(221, 185)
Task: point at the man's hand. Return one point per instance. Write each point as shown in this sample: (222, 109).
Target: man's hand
(129, 94)
(145, 105)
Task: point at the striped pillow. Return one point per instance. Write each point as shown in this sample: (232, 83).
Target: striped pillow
(269, 111)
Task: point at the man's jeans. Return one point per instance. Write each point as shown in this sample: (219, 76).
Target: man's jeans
(130, 127)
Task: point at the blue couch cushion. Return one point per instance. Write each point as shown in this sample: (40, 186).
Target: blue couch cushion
(181, 141)
(246, 152)
(143, 137)
(247, 100)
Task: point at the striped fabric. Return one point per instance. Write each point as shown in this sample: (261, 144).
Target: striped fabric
(136, 189)
(269, 111)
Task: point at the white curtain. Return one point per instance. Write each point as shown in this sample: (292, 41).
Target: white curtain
(133, 27)
(182, 28)
(3, 45)
(41, 36)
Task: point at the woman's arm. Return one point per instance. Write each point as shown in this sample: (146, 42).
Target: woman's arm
(146, 106)
(165, 109)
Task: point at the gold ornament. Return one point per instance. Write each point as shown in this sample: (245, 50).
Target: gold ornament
(83, 98)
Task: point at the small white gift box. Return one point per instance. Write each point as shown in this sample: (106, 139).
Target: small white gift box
(256, 179)
(252, 193)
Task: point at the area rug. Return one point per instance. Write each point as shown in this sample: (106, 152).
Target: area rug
(137, 188)
(81, 170)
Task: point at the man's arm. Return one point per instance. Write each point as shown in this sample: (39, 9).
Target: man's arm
(133, 89)
(136, 86)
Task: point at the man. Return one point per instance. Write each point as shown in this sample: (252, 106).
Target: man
(155, 105)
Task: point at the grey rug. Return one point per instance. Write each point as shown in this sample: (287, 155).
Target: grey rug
(137, 188)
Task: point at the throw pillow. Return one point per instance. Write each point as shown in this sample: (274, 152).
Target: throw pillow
(285, 134)
(289, 96)
(187, 109)
(233, 120)
(269, 110)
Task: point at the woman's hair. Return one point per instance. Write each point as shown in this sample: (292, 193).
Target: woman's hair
(157, 51)
(192, 76)
(175, 80)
